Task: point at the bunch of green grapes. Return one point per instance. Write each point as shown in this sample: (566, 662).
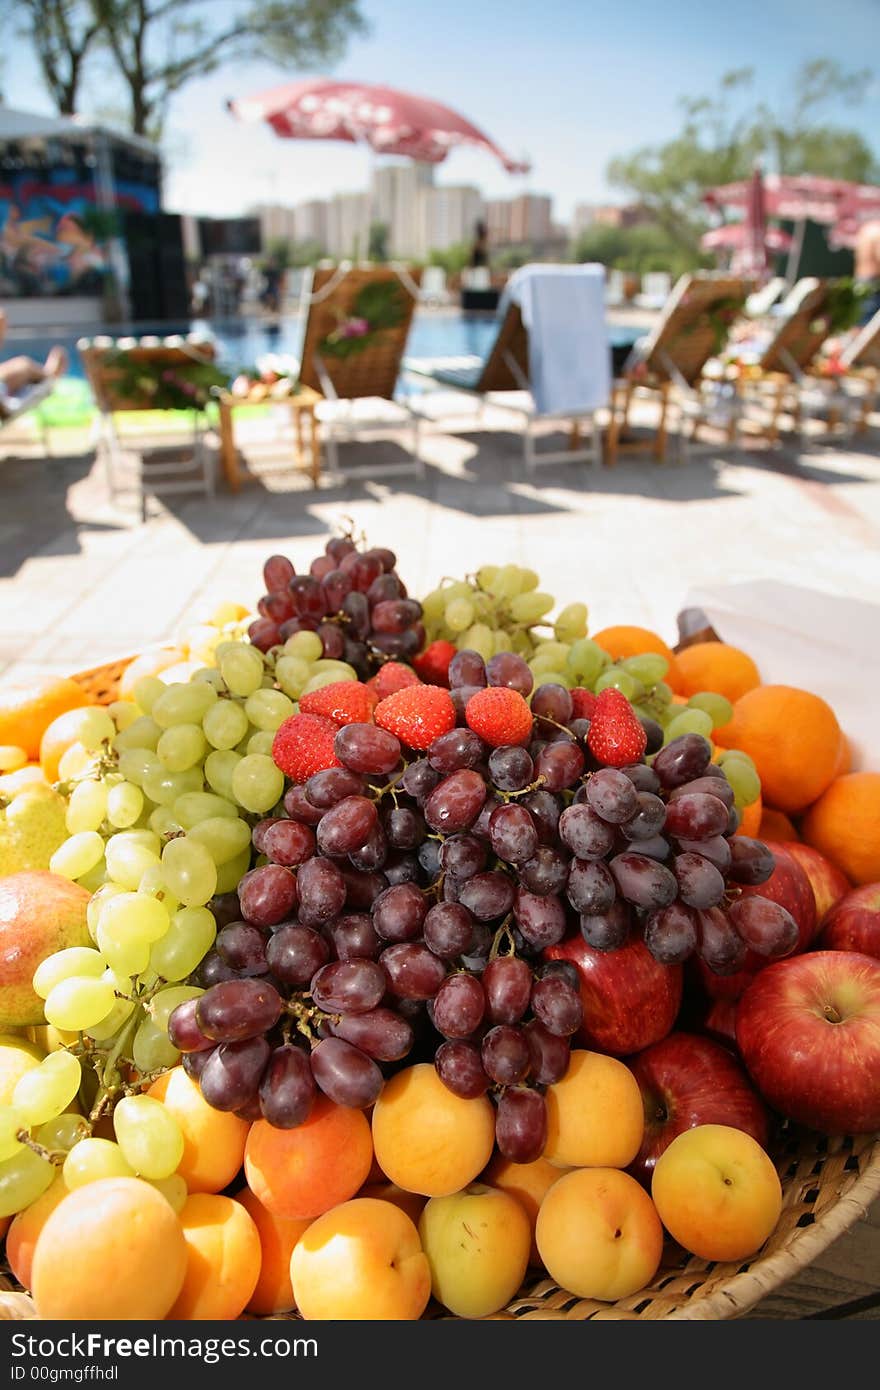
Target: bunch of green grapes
(499, 609)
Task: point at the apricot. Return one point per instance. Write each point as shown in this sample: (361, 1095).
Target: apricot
(412, 1203)
(273, 1292)
(717, 1192)
(213, 1140)
(17, 1056)
(595, 1115)
(21, 1239)
(113, 1250)
(599, 1234)
(477, 1243)
(361, 1261)
(427, 1139)
(528, 1183)
(223, 1258)
(300, 1173)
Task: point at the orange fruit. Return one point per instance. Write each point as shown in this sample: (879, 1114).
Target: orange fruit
(716, 666)
(844, 757)
(794, 739)
(60, 735)
(844, 825)
(26, 711)
(751, 819)
(628, 640)
(775, 825)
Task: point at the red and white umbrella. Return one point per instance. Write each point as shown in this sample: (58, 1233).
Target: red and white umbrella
(735, 236)
(802, 197)
(389, 121)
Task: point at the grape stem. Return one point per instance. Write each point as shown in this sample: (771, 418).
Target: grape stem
(54, 1156)
(524, 791)
(503, 937)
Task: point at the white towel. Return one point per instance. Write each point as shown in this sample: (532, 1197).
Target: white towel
(563, 309)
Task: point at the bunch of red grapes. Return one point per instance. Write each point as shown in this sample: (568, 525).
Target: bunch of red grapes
(408, 901)
(354, 600)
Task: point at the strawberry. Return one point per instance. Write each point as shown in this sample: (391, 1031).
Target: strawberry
(303, 744)
(583, 703)
(433, 663)
(616, 737)
(345, 702)
(417, 715)
(391, 677)
(500, 716)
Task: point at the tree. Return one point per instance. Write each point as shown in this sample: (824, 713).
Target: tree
(642, 248)
(377, 242)
(452, 258)
(62, 33)
(722, 136)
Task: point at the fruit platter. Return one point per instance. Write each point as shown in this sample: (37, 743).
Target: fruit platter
(372, 957)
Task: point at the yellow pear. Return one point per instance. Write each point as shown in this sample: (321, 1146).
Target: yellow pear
(31, 828)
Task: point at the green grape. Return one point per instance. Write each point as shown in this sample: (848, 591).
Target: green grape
(87, 807)
(306, 645)
(185, 703)
(10, 1124)
(163, 1004)
(75, 960)
(486, 576)
(459, 614)
(126, 954)
(77, 855)
(120, 1013)
(151, 1049)
(75, 762)
(211, 676)
(193, 807)
(190, 871)
(129, 854)
(744, 779)
(164, 823)
(648, 667)
(257, 783)
(93, 1159)
(173, 1189)
(153, 885)
(718, 708)
(188, 939)
(617, 679)
(165, 787)
(571, 623)
(530, 608)
(44, 1091)
(125, 804)
(123, 713)
(528, 580)
(586, 660)
(23, 1178)
(96, 902)
(61, 1133)
(542, 667)
(219, 767)
(242, 668)
(739, 754)
(136, 915)
(230, 874)
(478, 638)
(146, 692)
(226, 723)
(267, 709)
(689, 721)
(318, 679)
(95, 877)
(661, 693)
(292, 673)
(223, 838)
(181, 747)
(260, 742)
(506, 583)
(144, 732)
(555, 652)
(95, 728)
(135, 764)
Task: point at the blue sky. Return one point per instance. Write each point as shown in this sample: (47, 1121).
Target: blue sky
(568, 83)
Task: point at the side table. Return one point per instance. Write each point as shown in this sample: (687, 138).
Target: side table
(301, 402)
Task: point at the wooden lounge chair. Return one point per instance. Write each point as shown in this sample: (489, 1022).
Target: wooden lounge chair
(358, 381)
(777, 383)
(502, 380)
(861, 359)
(125, 375)
(668, 364)
(12, 408)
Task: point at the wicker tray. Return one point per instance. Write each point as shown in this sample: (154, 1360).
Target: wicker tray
(827, 1185)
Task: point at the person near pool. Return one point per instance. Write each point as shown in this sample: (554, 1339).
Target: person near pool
(867, 267)
(18, 373)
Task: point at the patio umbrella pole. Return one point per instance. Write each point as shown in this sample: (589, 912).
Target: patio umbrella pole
(794, 251)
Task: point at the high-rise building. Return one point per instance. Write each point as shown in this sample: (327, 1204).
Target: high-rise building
(397, 195)
(498, 221)
(310, 222)
(531, 220)
(448, 217)
(276, 222)
(348, 225)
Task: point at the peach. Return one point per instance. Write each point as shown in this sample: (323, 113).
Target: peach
(223, 1259)
(717, 1192)
(477, 1243)
(595, 1116)
(111, 1251)
(427, 1139)
(40, 913)
(273, 1292)
(26, 1226)
(213, 1140)
(528, 1183)
(412, 1203)
(364, 1261)
(599, 1234)
(300, 1173)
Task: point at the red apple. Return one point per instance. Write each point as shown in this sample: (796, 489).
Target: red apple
(808, 1029)
(629, 999)
(853, 924)
(685, 1081)
(720, 1022)
(827, 882)
(789, 885)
